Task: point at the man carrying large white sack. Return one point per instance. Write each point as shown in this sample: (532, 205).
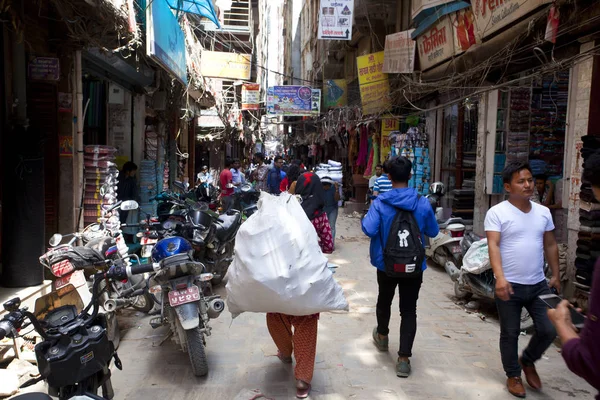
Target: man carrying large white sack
(279, 268)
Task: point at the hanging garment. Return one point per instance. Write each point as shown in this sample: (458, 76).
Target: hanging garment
(367, 173)
(364, 144)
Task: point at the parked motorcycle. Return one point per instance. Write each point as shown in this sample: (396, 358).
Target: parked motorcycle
(75, 354)
(184, 290)
(446, 245)
(245, 200)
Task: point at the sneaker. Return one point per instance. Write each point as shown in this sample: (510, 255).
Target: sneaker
(403, 368)
(381, 344)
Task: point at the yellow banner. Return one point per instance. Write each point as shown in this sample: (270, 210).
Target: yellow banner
(370, 68)
(375, 97)
(388, 125)
(216, 64)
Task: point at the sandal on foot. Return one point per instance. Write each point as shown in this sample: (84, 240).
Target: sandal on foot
(284, 359)
(302, 389)
(381, 344)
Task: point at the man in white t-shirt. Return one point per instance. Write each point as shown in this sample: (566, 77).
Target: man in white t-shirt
(518, 232)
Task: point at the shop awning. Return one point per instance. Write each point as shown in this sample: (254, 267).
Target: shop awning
(436, 15)
(203, 8)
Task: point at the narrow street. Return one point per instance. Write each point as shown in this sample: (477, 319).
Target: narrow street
(456, 353)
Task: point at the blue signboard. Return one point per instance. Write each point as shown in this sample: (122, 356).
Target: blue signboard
(292, 100)
(165, 41)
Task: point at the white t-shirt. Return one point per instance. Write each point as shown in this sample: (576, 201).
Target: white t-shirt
(521, 240)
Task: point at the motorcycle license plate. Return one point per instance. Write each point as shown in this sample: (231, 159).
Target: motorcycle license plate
(179, 297)
(62, 268)
(76, 279)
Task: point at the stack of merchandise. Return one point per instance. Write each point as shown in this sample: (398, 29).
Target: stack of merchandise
(148, 187)
(414, 146)
(588, 243)
(332, 169)
(100, 169)
(517, 143)
(463, 203)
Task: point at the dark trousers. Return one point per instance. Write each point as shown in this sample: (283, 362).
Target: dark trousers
(510, 326)
(408, 289)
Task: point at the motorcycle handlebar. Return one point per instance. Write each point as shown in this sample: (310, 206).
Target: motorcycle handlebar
(124, 272)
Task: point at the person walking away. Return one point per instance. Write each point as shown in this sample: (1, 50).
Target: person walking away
(297, 335)
(275, 176)
(261, 172)
(237, 179)
(382, 184)
(226, 181)
(127, 187)
(581, 351)
(518, 231)
(397, 223)
(292, 177)
(332, 197)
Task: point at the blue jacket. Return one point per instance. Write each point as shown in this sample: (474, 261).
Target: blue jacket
(378, 221)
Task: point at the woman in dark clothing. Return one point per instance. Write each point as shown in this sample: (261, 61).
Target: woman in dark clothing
(127, 186)
(310, 188)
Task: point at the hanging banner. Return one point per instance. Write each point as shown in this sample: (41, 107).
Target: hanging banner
(291, 100)
(421, 5)
(216, 64)
(370, 68)
(165, 42)
(493, 15)
(388, 125)
(335, 19)
(375, 97)
(335, 93)
(316, 102)
(399, 54)
(250, 96)
(465, 32)
(436, 44)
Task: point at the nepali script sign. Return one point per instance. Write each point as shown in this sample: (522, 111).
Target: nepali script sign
(436, 44)
(374, 84)
(493, 15)
(335, 19)
(399, 54)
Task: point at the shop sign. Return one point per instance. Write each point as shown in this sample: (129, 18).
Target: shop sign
(370, 68)
(465, 31)
(436, 44)
(388, 125)
(399, 54)
(216, 64)
(421, 5)
(375, 96)
(335, 93)
(290, 100)
(493, 15)
(44, 69)
(250, 96)
(165, 41)
(210, 119)
(335, 19)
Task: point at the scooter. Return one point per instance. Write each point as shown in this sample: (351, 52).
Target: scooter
(446, 245)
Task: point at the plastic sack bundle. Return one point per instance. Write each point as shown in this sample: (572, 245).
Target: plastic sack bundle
(477, 259)
(278, 265)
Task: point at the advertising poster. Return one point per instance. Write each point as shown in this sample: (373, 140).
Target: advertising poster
(388, 125)
(465, 32)
(65, 146)
(316, 102)
(399, 54)
(250, 96)
(290, 100)
(335, 93)
(335, 19)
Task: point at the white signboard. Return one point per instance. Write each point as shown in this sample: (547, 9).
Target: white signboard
(491, 16)
(420, 5)
(335, 19)
(436, 44)
(399, 54)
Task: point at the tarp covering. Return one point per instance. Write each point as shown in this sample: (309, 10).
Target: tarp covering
(204, 8)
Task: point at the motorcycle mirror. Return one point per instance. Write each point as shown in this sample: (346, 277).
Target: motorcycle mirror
(55, 239)
(129, 205)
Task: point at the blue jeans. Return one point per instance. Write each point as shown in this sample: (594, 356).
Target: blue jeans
(332, 217)
(510, 326)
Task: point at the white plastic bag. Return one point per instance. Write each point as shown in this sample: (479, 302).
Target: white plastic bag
(477, 259)
(278, 265)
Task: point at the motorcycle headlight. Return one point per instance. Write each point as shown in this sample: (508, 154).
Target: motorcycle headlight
(200, 235)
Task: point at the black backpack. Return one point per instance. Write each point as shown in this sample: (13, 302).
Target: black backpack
(404, 252)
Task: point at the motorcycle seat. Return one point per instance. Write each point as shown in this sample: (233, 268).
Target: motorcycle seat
(33, 396)
(227, 225)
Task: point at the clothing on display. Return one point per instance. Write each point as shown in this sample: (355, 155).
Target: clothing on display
(99, 170)
(414, 146)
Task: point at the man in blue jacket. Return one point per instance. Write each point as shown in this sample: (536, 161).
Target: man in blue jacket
(376, 225)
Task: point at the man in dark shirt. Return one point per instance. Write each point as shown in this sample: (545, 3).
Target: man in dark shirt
(581, 351)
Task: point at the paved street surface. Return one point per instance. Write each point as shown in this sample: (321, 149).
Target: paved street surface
(455, 356)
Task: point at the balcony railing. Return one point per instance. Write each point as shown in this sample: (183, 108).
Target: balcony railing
(236, 19)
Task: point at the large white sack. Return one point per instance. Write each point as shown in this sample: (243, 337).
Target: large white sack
(278, 265)
(477, 259)
(334, 163)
